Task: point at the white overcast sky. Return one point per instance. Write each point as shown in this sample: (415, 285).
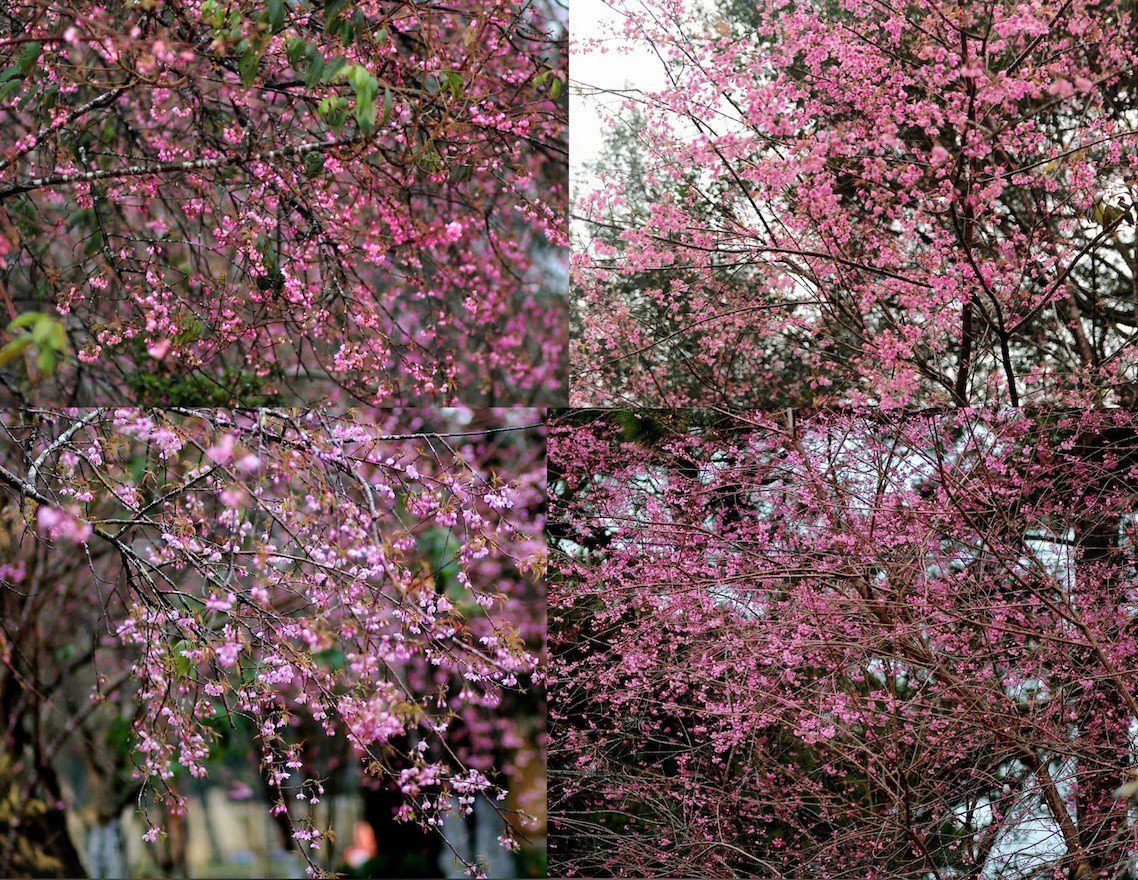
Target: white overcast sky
(634, 67)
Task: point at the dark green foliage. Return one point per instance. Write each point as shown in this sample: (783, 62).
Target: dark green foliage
(233, 388)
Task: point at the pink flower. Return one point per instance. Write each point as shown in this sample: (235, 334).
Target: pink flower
(232, 498)
(499, 500)
(228, 653)
(1062, 88)
(13, 572)
(159, 350)
(249, 463)
(56, 524)
(49, 519)
(222, 451)
(240, 791)
(217, 603)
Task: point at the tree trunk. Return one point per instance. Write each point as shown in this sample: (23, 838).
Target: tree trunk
(35, 842)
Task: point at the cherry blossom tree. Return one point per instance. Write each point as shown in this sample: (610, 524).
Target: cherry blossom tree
(218, 202)
(844, 644)
(321, 583)
(916, 204)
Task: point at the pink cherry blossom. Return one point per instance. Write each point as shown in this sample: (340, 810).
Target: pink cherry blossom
(251, 202)
(843, 643)
(928, 203)
(56, 524)
(337, 619)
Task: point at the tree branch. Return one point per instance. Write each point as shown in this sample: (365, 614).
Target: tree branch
(175, 167)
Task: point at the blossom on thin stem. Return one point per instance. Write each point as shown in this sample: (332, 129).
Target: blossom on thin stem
(314, 599)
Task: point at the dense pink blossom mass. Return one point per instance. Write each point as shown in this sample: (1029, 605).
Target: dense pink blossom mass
(235, 202)
(330, 589)
(844, 645)
(913, 204)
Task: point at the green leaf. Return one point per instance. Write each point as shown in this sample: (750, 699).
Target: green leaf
(296, 49)
(248, 66)
(182, 663)
(332, 11)
(315, 70)
(276, 16)
(41, 333)
(212, 12)
(314, 164)
(14, 349)
(357, 25)
(388, 105)
(366, 111)
(58, 339)
(357, 75)
(452, 81)
(27, 319)
(366, 87)
(29, 57)
(46, 361)
(333, 68)
(347, 32)
(334, 109)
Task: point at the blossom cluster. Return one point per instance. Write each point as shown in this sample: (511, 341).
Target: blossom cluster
(236, 203)
(921, 204)
(315, 577)
(878, 645)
